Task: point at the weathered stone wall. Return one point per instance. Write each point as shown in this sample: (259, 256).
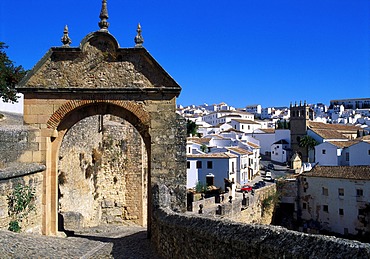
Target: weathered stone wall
(26, 175)
(18, 144)
(182, 236)
(168, 152)
(254, 211)
(103, 164)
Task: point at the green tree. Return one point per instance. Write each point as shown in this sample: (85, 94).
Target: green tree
(191, 128)
(10, 75)
(309, 143)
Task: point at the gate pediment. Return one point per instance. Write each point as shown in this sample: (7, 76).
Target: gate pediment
(98, 64)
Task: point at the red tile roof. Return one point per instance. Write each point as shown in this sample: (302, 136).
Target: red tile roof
(345, 172)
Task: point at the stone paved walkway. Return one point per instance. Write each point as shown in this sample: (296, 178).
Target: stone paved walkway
(99, 242)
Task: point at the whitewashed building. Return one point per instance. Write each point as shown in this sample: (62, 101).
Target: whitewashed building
(359, 153)
(215, 167)
(280, 151)
(336, 199)
(247, 126)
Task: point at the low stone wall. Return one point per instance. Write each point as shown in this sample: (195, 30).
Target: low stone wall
(25, 174)
(18, 144)
(184, 236)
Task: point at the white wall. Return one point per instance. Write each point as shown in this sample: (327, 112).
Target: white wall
(221, 168)
(331, 156)
(265, 141)
(350, 204)
(359, 154)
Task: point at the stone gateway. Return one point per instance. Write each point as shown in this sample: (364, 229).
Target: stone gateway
(113, 146)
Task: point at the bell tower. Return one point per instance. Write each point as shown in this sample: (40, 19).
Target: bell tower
(300, 115)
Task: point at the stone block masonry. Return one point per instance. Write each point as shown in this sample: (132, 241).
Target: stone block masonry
(18, 144)
(182, 236)
(25, 174)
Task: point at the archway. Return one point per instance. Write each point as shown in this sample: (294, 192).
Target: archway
(98, 78)
(103, 179)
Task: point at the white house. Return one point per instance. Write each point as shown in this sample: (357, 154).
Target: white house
(211, 168)
(335, 198)
(329, 153)
(254, 109)
(359, 153)
(265, 137)
(247, 126)
(280, 151)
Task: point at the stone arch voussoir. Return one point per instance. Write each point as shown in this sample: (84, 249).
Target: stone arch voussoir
(136, 108)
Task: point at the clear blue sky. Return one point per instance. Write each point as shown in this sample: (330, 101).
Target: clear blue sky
(241, 52)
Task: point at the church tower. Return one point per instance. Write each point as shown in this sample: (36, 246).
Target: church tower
(299, 121)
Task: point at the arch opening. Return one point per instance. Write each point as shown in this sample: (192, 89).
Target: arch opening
(101, 169)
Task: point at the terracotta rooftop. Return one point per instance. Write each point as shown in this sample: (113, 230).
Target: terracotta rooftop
(245, 121)
(240, 150)
(270, 130)
(329, 134)
(365, 138)
(253, 145)
(199, 140)
(232, 130)
(337, 127)
(343, 144)
(345, 172)
(213, 155)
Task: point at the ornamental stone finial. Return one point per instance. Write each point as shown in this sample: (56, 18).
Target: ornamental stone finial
(65, 39)
(104, 24)
(139, 40)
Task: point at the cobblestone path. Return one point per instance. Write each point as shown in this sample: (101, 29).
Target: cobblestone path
(99, 242)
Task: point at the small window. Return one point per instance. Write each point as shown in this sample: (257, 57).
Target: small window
(188, 164)
(199, 164)
(359, 192)
(209, 165)
(368, 152)
(341, 192)
(341, 212)
(325, 208)
(242, 126)
(324, 151)
(304, 206)
(273, 152)
(325, 191)
(347, 156)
